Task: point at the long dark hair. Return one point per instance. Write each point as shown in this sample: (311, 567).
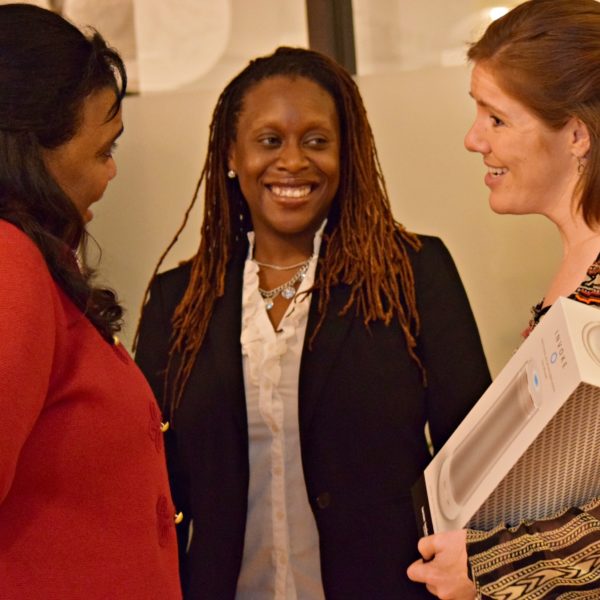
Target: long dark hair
(47, 69)
(365, 248)
(546, 54)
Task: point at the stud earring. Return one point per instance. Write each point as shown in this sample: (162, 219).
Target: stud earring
(231, 174)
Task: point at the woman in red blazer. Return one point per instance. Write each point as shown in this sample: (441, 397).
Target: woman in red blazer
(85, 507)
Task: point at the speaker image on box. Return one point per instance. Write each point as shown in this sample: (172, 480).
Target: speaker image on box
(463, 470)
(528, 449)
(591, 340)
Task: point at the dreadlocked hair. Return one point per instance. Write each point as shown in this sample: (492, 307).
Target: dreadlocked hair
(364, 247)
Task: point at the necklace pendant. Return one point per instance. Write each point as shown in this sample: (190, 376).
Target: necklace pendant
(288, 292)
(268, 303)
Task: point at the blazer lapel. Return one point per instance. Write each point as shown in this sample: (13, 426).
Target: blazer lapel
(224, 331)
(317, 362)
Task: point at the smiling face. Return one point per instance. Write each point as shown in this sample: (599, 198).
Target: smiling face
(84, 165)
(531, 168)
(286, 155)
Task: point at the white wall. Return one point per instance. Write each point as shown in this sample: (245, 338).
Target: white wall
(419, 119)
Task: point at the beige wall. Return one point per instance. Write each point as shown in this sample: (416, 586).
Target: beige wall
(419, 119)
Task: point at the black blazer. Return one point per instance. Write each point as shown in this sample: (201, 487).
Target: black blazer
(362, 412)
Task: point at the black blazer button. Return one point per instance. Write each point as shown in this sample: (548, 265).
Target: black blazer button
(324, 500)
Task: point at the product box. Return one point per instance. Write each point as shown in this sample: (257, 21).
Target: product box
(530, 447)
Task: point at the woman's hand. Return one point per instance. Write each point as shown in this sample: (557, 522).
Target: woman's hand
(445, 575)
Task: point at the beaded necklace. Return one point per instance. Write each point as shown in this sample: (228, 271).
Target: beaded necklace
(287, 289)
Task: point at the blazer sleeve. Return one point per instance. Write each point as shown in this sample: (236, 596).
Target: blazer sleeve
(152, 351)
(27, 331)
(448, 343)
(152, 355)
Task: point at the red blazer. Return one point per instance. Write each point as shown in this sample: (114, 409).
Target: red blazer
(85, 507)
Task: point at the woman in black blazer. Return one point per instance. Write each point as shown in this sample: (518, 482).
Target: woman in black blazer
(302, 351)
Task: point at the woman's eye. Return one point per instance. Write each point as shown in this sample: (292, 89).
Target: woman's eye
(496, 122)
(108, 153)
(317, 141)
(269, 141)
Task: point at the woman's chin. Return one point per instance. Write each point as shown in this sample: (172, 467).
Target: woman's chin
(501, 207)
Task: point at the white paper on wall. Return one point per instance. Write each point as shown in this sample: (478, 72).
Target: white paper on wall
(179, 41)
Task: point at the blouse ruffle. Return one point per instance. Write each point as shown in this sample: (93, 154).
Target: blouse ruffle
(264, 352)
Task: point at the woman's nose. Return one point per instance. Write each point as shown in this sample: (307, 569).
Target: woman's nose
(475, 140)
(112, 169)
(292, 157)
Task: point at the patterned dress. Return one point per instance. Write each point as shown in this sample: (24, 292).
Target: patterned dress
(588, 292)
(556, 558)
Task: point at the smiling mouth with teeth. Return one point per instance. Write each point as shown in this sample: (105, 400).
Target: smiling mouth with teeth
(291, 191)
(497, 171)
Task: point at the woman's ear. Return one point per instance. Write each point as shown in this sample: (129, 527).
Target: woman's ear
(580, 138)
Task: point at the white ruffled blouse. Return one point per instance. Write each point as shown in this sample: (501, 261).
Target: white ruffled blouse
(281, 549)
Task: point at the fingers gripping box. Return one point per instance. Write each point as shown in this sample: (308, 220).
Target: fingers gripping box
(530, 447)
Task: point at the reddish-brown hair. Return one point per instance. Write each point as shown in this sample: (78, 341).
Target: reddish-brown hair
(364, 247)
(546, 54)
